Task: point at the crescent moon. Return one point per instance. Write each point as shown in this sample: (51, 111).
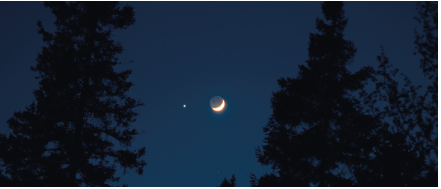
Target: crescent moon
(220, 107)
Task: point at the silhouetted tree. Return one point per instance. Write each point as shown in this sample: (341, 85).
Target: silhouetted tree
(427, 45)
(393, 161)
(67, 137)
(230, 183)
(402, 156)
(404, 138)
(4, 180)
(267, 180)
(317, 126)
(253, 180)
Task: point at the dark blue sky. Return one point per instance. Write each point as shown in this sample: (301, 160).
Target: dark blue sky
(188, 52)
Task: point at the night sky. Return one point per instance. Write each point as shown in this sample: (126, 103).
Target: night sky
(188, 52)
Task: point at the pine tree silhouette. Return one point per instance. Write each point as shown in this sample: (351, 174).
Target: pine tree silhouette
(229, 183)
(317, 125)
(67, 137)
(320, 134)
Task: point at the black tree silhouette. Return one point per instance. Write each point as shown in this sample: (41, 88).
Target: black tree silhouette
(317, 125)
(229, 183)
(407, 139)
(67, 137)
(319, 133)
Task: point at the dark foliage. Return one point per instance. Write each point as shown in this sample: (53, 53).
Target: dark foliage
(407, 141)
(229, 183)
(320, 134)
(427, 46)
(316, 124)
(403, 139)
(267, 180)
(66, 137)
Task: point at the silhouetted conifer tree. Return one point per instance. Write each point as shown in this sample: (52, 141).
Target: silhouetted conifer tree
(267, 180)
(400, 152)
(230, 183)
(406, 139)
(66, 138)
(317, 126)
(395, 139)
(427, 45)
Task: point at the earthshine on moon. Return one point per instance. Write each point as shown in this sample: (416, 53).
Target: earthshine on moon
(220, 107)
(217, 103)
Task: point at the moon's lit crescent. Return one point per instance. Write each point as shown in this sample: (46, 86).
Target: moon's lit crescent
(220, 107)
